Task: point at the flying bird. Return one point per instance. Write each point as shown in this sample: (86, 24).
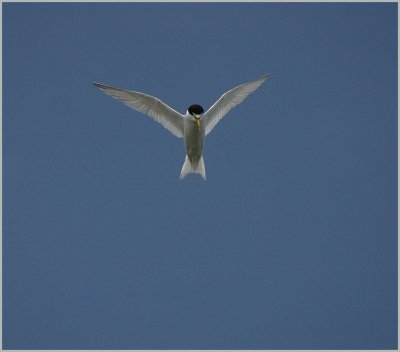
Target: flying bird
(194, 126)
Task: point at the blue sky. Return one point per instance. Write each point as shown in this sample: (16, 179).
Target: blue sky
(291, 243)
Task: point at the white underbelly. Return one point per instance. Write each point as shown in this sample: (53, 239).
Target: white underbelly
(194, 139)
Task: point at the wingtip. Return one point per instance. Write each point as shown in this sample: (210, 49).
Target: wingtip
(263, 78)
(101, 86)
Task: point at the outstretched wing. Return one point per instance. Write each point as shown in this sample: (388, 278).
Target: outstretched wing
(151, 106)
(229, 100)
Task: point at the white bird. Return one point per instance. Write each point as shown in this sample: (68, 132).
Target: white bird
(194, 126)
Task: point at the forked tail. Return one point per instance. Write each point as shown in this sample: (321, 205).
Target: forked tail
(193, 167)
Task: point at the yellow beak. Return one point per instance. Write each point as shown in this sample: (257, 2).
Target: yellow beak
(198, 121)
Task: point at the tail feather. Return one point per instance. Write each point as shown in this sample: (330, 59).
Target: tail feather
(196, 168)
(201, 169)
(186, 168)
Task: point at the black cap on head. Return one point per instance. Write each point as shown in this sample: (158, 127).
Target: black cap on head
(195, 109)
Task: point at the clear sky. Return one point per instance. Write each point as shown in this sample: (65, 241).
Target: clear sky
(291, 243)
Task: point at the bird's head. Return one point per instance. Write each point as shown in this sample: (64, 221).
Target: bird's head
(196, 111)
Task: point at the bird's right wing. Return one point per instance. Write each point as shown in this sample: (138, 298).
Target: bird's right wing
(151, 106)
(229, 100)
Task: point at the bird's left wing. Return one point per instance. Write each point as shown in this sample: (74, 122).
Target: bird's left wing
(229, 100)
(151, 106)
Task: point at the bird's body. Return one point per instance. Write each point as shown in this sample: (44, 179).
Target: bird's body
(194, 126)
(194, 135)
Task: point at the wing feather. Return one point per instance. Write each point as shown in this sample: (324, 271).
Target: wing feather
(146, 104)
(229, 100)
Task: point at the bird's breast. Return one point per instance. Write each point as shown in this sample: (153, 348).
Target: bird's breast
(194, 137)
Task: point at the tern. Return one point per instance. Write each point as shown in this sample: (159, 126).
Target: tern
(194, 126)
